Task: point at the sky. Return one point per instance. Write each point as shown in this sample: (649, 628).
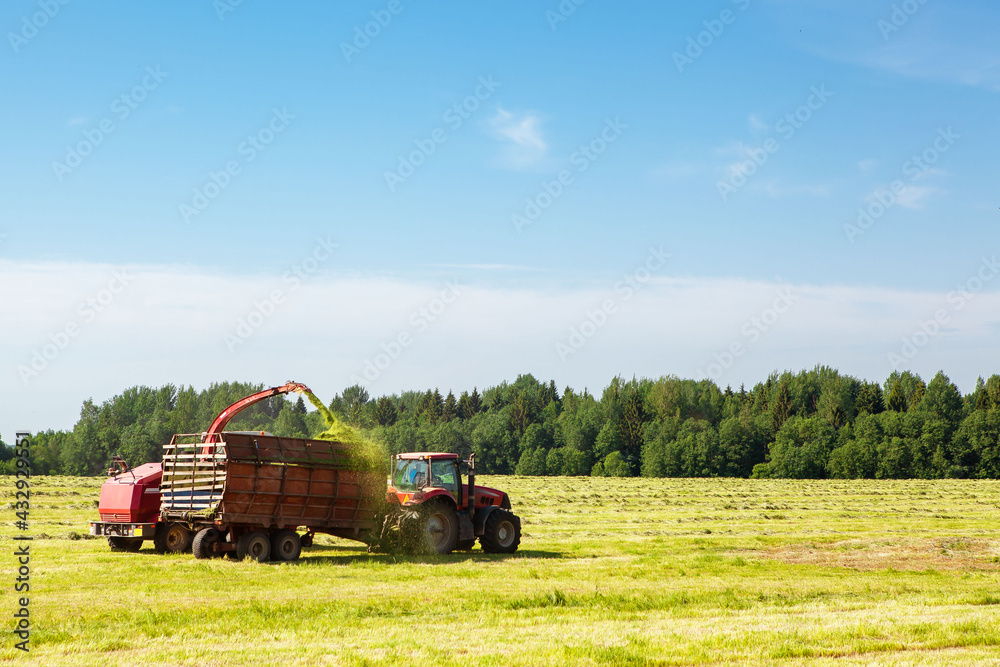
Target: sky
(408, 195)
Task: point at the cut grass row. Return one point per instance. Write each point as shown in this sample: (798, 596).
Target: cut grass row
(611, 571)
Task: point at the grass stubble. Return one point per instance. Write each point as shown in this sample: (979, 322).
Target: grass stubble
(610, 571)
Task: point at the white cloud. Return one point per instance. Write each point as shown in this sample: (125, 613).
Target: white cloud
(913, 196)
(168, 326)
(757, 126)
(522, 136)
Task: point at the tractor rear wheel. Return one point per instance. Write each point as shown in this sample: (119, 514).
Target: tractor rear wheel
(172, 538)
(255, 545)
(204, 540)
(286, 545)
(129, 544)
(502, 533)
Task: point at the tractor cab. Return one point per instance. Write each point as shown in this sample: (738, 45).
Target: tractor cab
(421, 476)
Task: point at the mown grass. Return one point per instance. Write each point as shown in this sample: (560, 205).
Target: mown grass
(610, 571)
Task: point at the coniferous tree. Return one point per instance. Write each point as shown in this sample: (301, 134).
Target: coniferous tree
(450, 408)
(897, 401)
(782, 408)
(475, 401)
(385, 411)
(464, 409)
(982, 395)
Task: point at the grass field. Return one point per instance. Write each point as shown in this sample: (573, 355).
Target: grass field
(610, 571)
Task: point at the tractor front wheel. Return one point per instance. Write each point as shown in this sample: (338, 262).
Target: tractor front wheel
(204, 540)
(129, 544)
(431, 528)
(255, 545)
(502, 533)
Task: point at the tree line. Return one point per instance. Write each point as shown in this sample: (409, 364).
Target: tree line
(812, 424)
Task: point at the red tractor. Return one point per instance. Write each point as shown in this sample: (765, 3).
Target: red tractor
(435, 512)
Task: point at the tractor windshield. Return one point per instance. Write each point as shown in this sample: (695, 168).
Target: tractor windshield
(409, 475)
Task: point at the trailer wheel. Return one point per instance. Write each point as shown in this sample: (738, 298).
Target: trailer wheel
(253, 545)
(286, 545)
(203, 542)
(502, 533)
(129, 544)
(172, 538)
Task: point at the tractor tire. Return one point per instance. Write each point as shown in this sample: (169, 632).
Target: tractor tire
(254, 545)
(203, 542)
(465, 545)
(440, 528)
(286, 545)
(430, 529)
(172, 538)
(502, 533)
(127, 544)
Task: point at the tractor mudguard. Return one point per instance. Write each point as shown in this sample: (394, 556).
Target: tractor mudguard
(481, 514)
(466, 531)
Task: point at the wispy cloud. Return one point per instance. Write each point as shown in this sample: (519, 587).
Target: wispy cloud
(522, 137)
(775, 189)
(914, 197)
(488, 334)
(944, 42)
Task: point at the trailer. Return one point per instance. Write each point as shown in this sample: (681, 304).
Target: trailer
(248, 495)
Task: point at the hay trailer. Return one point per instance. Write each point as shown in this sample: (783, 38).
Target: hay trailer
(247, 495)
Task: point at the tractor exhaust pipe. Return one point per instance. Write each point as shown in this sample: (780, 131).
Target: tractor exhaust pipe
(471, 499)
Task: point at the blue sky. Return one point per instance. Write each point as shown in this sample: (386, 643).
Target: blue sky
(161, 98)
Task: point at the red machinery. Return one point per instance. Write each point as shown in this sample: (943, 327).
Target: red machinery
(247, 494)
(438, 513)
(130, 501)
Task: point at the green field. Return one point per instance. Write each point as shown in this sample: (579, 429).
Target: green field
(610, 571)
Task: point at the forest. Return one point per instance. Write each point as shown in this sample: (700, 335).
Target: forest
(812, 424)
